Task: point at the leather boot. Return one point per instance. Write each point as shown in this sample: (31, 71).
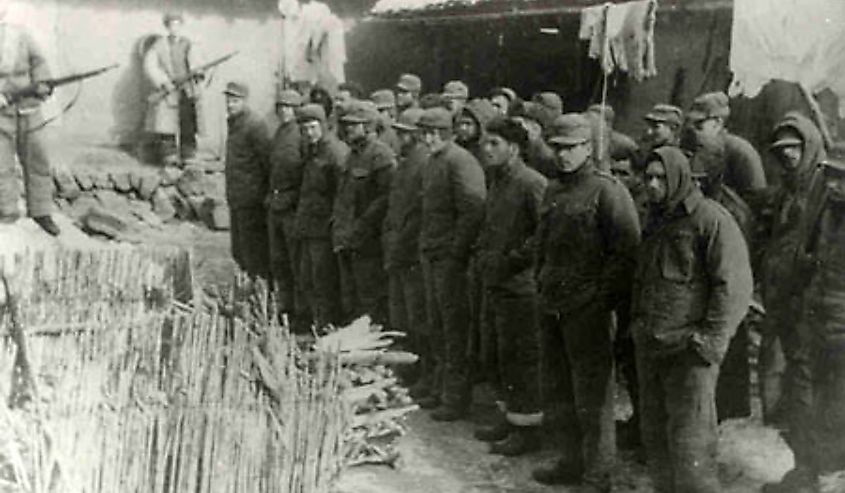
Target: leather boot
(521, 440)
(430, 402)
(420, 389)
(560, 473)
(448, 413)
(493, 433)
(47, 224)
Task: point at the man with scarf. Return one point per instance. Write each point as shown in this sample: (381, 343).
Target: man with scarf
(797, 145)
(358, 214)
(323, 158)
(505, 263)
(816, 390)
(587, 239)
(692, 288)
(401, 251)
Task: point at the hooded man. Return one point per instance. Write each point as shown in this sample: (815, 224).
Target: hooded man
(587, 239)
(504, 99)
(470, 123)
(285, 181)
(797, 145)
(453, 194)
(247, 178)
(817, 395)
(358, 214)
(692, 288)
(505, 261)
(401, 253)
(323, 159)
(24, 65)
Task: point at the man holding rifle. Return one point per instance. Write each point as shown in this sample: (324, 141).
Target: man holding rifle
(22, 65)
(177, 115)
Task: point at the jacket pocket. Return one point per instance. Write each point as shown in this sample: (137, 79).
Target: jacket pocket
(677, 260)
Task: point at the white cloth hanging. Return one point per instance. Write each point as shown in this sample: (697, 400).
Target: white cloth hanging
(630, 36)
(800, 41)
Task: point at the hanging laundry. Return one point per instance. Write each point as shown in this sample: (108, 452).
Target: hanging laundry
(629, 35)
(315, 46)
(799, 41)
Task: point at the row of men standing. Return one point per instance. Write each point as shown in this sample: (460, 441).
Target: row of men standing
(399, 212)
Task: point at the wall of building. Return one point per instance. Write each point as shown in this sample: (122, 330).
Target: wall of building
(79, 35)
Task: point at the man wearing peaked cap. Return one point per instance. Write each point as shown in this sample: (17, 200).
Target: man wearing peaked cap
(323, 158)
(455, 94)
(619, 146)
(408, 89)
(247, 178)
(663, 126)
(538, 154)
(358, 215)
(401, 252)
(282, 199)
(385, 102)
(583, 278)
(452, 210)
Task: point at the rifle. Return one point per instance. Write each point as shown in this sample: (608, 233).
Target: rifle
(178, 82)
(31, 91)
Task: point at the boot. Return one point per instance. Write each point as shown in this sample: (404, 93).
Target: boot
(448, 413)
(795, 481)
(47, 224)
(420, 389)
(430, 402)
(493, 433)
(521, 440)
(560, 473)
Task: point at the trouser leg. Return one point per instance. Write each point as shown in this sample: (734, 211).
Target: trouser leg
(318, 271)
(771, 365)
(187, 126)
(282, 275)
(556, 386)
(515, 322)
(250, 240)
(37, 176)
(829, 407)
(348, 295)
(451, 288)
(9, 188)
(437, 339)
(653, 419)
(733, 391)
(370, 287)
(413, 295)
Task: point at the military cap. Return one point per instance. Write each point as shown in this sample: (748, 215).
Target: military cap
(533, 111)
(570, 129)
(549, 100)
(787, 140)
(609, 114)
(409, 82)
(384, 98)
(409, 119)
(431, 100)
(289, 97)
(360, 112)
(665, 113)
(169, 17)
(710, 105)
(237, 89)
(436, 117)
(455, 89)
(311, 112)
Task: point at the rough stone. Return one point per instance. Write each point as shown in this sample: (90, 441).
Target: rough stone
(112, 201)
(181, 204)
(197, 203)
(219, 218)
(82, 205)
(214, 186)
(66, 186)
(170, 175)
(162, 205)
(105, 222)
(102, 181)
(212, 166)
(148, 185)
(191, 181)
(121, 180)
(143, 211)
(84, 179)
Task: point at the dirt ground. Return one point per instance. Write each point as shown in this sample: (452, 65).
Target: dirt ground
(444, 458)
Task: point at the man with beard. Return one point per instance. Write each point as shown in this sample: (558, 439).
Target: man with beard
(285, 182)
(470, 123)
(587, 239)
(505, 260)
(323, 158)
(247, 176)
(358, 215)
(692, 288)
(816, 411)
(797, 143)
(401, 254)
(452, 212)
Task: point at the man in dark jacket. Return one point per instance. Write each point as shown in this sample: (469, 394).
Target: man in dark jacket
(385, 102)
(408, 89)
(797, 143)
(505, 257)
(247, 176)
(285, 182)
(455, 95)
(692, 288)
(817, 399)
(470, 123)
(358, 215)
(401, 253)
(538, 154)
(452, 213)
(587, 239)
(323, 158)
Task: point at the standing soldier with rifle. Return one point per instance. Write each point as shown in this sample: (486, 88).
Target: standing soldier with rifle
(178, 115)
(22, 65)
